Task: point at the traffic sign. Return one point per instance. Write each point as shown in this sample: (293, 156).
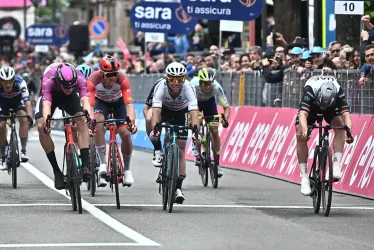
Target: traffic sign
(99, 28)
(349, 7)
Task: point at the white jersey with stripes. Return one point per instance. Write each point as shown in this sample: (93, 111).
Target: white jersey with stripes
(163, 99)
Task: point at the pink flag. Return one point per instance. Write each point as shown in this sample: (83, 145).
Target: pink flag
(123, 47)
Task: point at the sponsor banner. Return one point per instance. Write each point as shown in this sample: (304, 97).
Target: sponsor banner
(242, 10)
(47, 34)
(161, 17)
(222, 131)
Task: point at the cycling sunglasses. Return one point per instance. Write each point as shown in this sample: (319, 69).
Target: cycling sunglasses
(7, 82)
(176, 78)
(204, 83)
(110, 74)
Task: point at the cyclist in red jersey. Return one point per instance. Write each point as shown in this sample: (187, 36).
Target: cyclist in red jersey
(110, 89)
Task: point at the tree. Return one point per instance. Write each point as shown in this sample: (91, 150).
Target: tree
(287, 16)
(47, 11)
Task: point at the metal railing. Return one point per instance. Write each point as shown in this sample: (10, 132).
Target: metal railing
(251, 88)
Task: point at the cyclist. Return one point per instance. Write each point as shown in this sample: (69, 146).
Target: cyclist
(322, 95)
(209, 92)
(110, 89)
(65, 88)
(85, 69)
(13, 95)
(174, 97)
(147, 112)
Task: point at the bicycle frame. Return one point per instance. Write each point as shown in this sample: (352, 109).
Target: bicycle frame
(112, 139)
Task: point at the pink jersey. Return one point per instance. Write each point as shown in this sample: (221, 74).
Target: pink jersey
(50, 85)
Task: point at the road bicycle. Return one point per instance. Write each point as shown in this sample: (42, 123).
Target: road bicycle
(12, 151)
(321, 184)
(208, 159)
(74, 173)
(169, 171)
(115, 168)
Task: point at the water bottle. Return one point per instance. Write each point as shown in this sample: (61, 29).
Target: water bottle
(195, 151)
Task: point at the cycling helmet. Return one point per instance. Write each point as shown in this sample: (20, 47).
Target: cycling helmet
(109, 64)
(7, 73)
(85, 69)
(175, 69)
(66, 75)
(25, 76)
(207, 75)
(326, 94)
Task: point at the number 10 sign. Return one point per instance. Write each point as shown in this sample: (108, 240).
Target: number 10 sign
(349, 7)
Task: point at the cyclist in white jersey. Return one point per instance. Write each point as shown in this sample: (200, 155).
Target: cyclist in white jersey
(174, 97)
(209, 94)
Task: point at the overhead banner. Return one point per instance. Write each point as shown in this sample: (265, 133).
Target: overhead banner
(161, 17)
(237, 10)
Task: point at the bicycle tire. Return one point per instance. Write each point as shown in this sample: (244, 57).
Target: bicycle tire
(92, 184)
(70, 183)
(316, 188)
(213, 167)
(114, 172)
(164, 186)
(327, 184)
(14, 158)
(203, 170)
(173, 175)
(75, 175)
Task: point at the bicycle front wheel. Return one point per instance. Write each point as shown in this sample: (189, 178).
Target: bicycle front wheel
(114, 172)
(15, 156)
(92, 183)
(314, 178)
(326, 185)
(75, 180)
(173, 172)
(213, 167)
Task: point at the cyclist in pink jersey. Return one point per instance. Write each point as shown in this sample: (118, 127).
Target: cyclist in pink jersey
(65, 88)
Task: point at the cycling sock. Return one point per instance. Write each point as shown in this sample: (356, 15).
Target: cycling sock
(180, 181)
(126, 161)
(218, 154)
(303, 167)
(23, 144)
(101, 150)
(52, 159)
(85, 156)
(338, 157)
(157, 144)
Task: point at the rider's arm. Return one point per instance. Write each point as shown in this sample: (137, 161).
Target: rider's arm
(83, 92)
(192, 105)
(47, 98)
(91, 91)
(305, 107)
(26, 98)
(127, 97)
(221, 97)
(157, 104)
(343, 107)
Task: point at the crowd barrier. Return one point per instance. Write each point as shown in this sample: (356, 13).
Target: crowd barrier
(262, 140)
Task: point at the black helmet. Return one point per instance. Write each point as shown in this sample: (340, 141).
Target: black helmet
(326, 95)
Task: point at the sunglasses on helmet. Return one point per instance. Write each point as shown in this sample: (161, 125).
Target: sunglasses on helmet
(110, 74)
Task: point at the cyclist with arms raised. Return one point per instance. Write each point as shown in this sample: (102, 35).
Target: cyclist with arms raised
(110, 89)
(322, 95)
(65, 88)
(209, 92)
(13, 95)
(174, 97)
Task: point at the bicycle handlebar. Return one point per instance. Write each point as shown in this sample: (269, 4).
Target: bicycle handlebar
(328, 127)
(222, 116)
(161, 125)
(127, 120)
(50, 118)
(12, 116)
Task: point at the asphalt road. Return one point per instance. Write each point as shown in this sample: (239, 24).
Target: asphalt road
(247, 211)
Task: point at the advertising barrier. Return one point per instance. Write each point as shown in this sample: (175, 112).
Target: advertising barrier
(262, 140)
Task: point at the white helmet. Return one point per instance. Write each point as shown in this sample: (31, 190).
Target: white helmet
(175, 69)
(7, 73)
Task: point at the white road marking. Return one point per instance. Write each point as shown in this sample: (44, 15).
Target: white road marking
(70, 245)
(100, 215)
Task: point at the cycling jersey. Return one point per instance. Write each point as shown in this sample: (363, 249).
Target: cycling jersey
(217, 92)
(186, 99)
(121, 88)
(51, 86)
(148, 102)
(19, 89)
(310, 90)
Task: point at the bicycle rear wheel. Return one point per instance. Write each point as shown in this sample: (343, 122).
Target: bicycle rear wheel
(92, 184)
(15, 156)
(114, 172)
(75, 181)
(213, 167)
(173, 174)
(315, 182)
(326, 185)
